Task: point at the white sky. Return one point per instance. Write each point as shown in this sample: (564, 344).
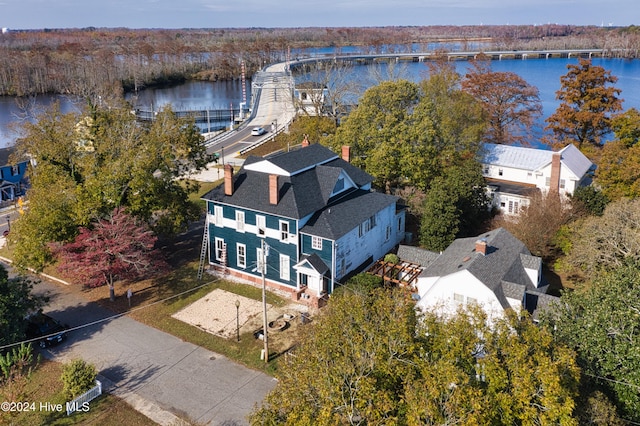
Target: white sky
(38, 14)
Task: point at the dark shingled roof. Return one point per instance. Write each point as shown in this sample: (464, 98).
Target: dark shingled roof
(346, 213)
(537, 302)
(300, 194)
(501, 269)
(4, 155)
(417, 255)
(316, 262)
(303, 158)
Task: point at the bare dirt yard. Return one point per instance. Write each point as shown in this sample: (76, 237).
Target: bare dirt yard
(216, 314)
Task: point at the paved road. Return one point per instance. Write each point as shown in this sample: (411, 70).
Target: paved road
(158, 374)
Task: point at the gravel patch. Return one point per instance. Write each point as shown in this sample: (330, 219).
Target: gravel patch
(215, 313)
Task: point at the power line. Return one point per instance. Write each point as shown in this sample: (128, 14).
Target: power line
(112, 317)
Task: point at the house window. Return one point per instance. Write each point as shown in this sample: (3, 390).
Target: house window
(221, 248)
(387, 235)
(399, 224)
(284, 268)
(284, 231)
(366, 226)
(316, 243)
(339, 185)
(217, 212)
(14, 170)
(529, 175)
(562, 183)
(486, 170)
(241, 251)
(547, 181)
(500, 172)
(458, 298)
(472, 301)
(261, 224)
(513, 207)
(239, 221)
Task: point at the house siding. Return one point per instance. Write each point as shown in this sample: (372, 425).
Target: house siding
(326, 253)
(252, 242)
(354, 250)
(439, 293)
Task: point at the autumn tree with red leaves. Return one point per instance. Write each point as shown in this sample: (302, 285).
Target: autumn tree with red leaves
(511, 105)
(116, 248)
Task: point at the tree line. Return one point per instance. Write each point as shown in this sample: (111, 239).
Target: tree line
(103, 61)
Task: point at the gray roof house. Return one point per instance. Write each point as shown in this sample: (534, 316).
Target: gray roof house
(314, 213)
(494, 270)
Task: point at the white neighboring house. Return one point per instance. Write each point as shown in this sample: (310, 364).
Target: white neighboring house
(310, 97)
(494, 270)
(513, 173)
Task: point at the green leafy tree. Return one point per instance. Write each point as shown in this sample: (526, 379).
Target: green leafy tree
(618, 172)
(509, 371)
(78, 376)
(448, 125)
(381, 364)
(626, 127)
(16, 302)
(16, 362)
(588, 102)
(590, 199)
(99, 160)
(456, 204)
(403, 133)
(601, 322)
(378, 128)
(360, 343)
(511, 105)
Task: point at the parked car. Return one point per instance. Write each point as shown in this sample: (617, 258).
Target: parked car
(42, 326)
(257, 131)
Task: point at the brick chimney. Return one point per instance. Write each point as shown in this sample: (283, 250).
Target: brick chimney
(228, 179)
(274, 195)
(346, 153)
(554, 185)
(481, 246)
(305, 141)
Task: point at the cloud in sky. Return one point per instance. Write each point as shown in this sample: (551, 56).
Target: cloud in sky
(35, 14)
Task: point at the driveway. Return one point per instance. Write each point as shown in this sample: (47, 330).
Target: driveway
(155, 372)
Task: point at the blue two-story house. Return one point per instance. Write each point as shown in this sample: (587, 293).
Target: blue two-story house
(313, 211)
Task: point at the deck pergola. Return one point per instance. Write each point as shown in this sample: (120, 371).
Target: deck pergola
(402, 274)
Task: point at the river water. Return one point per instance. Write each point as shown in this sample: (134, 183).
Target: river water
(543, 73)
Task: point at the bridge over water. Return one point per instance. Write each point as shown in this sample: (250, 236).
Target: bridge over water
(275, 84)
(366, 59)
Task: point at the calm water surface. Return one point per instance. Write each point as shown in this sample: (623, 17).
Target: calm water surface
(543, 73)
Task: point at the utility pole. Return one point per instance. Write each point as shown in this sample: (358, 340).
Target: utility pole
(263, 267)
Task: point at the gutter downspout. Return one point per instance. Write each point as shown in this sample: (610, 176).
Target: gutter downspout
(334, 247)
